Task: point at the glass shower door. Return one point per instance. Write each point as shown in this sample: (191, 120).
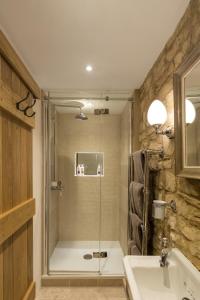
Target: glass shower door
(75, 170)
(115, 143)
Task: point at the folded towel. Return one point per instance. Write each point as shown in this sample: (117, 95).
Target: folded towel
(136, 193)
(138, 158)
(133, 250)
(136, 231)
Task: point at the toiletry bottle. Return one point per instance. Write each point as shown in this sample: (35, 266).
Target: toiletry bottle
(99, 170)
(82, 170)
(78, 170)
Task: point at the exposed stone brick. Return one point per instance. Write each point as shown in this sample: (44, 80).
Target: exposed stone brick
(183, 227)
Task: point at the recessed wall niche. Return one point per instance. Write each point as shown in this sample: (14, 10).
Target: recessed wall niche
(89, 164)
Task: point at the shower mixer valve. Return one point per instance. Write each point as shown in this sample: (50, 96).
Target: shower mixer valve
(57, 185)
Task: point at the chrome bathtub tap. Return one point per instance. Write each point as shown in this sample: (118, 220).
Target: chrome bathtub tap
(164, 253)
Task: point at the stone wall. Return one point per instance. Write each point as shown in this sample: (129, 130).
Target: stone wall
(182, 227)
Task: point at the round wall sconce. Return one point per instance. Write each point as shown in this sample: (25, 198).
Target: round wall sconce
(157, 116)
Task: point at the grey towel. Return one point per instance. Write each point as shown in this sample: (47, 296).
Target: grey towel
(133, 250)
(136, 230)
(138, 158)
(136, 193)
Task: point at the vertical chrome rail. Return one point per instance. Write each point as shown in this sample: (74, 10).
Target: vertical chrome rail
(146, 204)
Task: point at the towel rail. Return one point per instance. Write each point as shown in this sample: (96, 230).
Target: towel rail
(147, 154)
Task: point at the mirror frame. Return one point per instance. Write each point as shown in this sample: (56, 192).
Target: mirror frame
(190, 61)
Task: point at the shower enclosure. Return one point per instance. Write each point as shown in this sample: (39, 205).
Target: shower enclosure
(86, 196)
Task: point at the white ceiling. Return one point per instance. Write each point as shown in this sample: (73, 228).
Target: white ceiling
(120, 38)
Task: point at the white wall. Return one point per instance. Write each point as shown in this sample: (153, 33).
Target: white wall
(37, 193)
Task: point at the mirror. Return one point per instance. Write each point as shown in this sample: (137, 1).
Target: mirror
(192, 117)
(89, 164)
(187, 116)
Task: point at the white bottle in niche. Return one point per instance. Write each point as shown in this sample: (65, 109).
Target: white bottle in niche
(78, 170)
(99, 169)
(82, 170)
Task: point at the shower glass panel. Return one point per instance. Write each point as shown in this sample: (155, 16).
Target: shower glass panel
(74, 199)
(87, 203)
(115, 144)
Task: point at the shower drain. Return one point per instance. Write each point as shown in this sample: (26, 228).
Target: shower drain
(87, 256)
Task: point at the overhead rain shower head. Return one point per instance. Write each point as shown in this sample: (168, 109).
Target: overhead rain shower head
(81, 116)
(75, 105)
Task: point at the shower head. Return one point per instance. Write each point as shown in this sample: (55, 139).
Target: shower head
(75, 105)
(81, 116)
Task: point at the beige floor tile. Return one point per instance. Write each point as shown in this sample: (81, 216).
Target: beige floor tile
(82, 293)
(112, 292)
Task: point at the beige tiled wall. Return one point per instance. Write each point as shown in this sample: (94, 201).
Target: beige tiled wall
(125, 150)
(80, 205)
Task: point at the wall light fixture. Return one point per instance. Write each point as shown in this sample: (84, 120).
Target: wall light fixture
(157, 116)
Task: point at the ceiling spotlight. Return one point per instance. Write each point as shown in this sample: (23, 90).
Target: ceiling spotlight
(89, 68)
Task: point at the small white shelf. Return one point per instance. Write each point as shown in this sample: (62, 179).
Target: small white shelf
(88, 175)
(90, 162)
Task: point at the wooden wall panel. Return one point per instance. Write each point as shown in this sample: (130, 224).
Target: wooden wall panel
(8, 270)
(30, 251)
(14, 60)
(16, 163)
(7, 178)
(30, 294)
(20, 262)
(12, 90)
(29, 165)
(1, 273)
(6, 72)
(14, 218)
(1, 248)
(23, 165)
(16, 192)
(7, 192)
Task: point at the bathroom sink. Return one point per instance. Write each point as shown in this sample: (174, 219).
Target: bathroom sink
(148, 281)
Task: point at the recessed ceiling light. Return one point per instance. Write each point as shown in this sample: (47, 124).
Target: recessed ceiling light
(89, 68)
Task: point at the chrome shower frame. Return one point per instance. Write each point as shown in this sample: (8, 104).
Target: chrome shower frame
(47, 107)
(47, 155)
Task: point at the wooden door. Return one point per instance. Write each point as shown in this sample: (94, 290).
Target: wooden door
(17, 205)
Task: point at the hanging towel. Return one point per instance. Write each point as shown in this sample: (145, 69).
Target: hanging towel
(136, 223)
(138, 158)
(133, 250)
(136, 193)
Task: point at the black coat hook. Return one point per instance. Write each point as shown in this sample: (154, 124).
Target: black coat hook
(19, 102)
(25, 110)
(28, 107)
